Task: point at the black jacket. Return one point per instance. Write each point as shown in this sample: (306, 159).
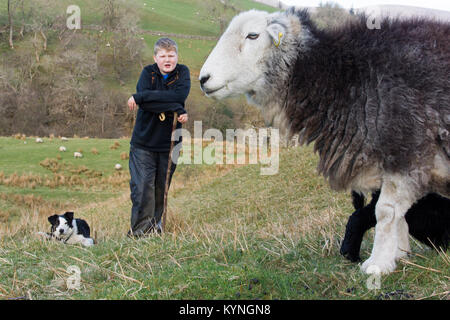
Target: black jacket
(154, 96)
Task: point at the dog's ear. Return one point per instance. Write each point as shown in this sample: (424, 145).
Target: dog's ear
(53, 219)
(69, 217)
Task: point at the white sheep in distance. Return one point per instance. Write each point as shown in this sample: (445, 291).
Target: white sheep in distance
(77, 155)
(39, 140)
(62, 149)
(376, 102)
(118, 166)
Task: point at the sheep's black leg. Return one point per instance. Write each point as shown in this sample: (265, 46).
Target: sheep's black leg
(358, 223)
(429, 221)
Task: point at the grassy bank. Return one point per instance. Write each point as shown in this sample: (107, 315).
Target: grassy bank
(231, 234)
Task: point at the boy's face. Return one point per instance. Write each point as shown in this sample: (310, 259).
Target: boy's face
(166, 60)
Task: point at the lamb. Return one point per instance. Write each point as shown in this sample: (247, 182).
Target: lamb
(77, 155)
(376, 102)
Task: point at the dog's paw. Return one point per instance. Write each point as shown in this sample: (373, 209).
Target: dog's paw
(43, 235)
(88, 242)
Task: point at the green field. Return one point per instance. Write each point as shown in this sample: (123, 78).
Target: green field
(195, 17)
(231, 233)
(35, 175)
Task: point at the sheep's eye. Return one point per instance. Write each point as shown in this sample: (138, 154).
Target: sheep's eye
(252, 36)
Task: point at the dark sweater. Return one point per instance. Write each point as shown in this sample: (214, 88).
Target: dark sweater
(154, 96)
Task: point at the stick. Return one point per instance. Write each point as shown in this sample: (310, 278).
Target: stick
(169, 165)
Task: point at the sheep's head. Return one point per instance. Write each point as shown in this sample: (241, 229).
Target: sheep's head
(238, 63)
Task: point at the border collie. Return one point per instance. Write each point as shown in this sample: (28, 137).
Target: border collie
(428, 221)
(69, 230)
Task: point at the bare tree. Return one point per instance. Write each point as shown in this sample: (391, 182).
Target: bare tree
(111, 15)
(330, 15)
(10, 22)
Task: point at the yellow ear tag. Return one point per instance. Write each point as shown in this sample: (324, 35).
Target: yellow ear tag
(162, 116)
(277, 44)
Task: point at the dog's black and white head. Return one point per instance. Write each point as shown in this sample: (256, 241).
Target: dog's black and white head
(62, 225)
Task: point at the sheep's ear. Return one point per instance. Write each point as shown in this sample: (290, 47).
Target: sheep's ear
(277, 33)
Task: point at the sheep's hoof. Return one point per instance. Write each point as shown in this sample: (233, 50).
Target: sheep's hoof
(378, 266)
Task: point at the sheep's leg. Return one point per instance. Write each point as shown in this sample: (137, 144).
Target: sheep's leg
(391, 232)
(403, 232)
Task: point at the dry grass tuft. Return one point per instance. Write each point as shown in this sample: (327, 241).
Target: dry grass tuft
(20, 136)
(115, 146)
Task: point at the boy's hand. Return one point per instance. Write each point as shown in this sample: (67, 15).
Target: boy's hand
(183, 118)
(132, 104)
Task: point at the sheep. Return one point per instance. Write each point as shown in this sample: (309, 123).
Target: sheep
(376, 102)
(118, 166)
(39, 140)
(77, 155)
(428, 221)
(62, 149)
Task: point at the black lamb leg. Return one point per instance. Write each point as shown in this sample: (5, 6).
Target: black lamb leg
(358, 223)
(429, 221)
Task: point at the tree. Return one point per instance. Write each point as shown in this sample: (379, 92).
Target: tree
(10, 22)
(330, 15)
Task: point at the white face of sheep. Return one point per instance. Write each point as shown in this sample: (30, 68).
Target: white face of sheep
(237, 63)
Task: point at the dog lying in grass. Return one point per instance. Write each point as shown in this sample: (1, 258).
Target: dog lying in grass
(68, 230)
(428, 221)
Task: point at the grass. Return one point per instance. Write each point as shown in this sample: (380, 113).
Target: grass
(37, 176)
(194, 17)
(25, 155)
(177, 16)
(231, 234)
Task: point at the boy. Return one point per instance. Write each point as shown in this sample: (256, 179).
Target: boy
(161, 90)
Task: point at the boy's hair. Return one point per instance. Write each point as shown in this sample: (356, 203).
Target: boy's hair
(165, 43)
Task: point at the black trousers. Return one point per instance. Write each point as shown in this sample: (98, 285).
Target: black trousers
(148, 178)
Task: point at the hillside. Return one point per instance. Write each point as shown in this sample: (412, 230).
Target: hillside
(231, 234)
(63, 82)
(382, 9)
(406, 11)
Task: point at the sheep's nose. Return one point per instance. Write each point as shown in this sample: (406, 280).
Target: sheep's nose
(204, 79)
(61, 230)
